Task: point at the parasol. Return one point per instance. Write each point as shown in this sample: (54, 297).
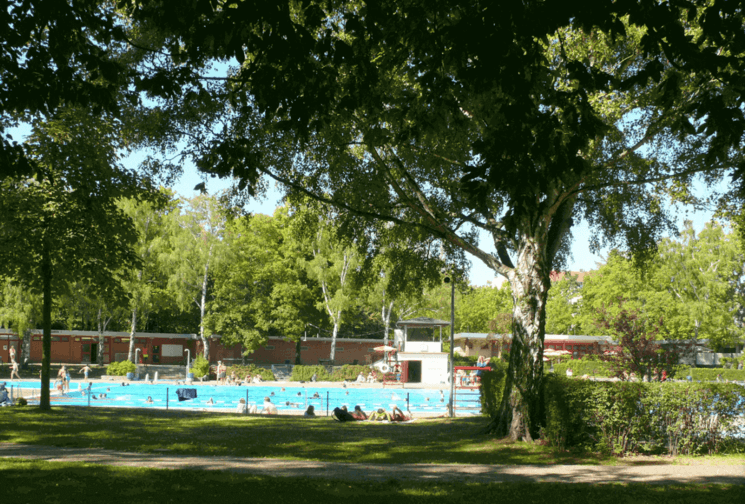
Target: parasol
(384, 348)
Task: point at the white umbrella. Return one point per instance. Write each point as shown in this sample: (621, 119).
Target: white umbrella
(384, 348)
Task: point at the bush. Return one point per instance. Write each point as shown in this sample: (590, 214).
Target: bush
(581, 367)
(492, 387)
(305, 373)
(626, 417)
(200, 366)
(705, 374)
(121, 368)
(21, 402)
(253, 370)
(349, 372)
(732, 362)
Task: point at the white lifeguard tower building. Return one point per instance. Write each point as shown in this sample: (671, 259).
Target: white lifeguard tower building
(418, 344)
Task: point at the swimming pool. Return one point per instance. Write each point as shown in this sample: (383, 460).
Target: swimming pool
(290, 398)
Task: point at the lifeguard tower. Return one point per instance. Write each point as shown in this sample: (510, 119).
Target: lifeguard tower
(418, 344)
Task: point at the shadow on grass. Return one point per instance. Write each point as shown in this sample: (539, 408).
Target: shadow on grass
(82, 484)
(442, 441)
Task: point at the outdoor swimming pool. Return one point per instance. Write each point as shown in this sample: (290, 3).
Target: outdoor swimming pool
(289, 398)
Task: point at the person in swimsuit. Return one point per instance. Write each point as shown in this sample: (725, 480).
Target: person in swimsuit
(85, 370)
(14, 370)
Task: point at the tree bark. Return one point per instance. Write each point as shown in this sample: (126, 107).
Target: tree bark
(132, 332)
(46, 340)
(202, 306)
(521, 410)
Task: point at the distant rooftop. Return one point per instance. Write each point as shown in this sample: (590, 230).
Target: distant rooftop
(422, 322)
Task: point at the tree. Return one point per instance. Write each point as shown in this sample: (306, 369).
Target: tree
(703, 274)
(263, 286)
(336, 264)
(20, 311)
(513, 119)
(562, 306)
(146, 282)
(638, 351)
(477, 309)
(63, 224)
(198, 240)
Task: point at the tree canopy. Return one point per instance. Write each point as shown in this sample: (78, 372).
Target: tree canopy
(515, 118)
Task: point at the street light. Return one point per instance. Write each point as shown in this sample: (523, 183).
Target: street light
(452, 344)
(188, 358)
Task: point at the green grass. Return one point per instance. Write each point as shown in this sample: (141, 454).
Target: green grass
(442, 441)
(51, 482)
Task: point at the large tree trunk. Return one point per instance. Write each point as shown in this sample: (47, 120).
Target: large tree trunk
(101, 322)
(46, 340)
(332, 356)
(202, 306)
(521, 410)
(132, 332)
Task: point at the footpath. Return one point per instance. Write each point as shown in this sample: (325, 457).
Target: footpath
(645, 472)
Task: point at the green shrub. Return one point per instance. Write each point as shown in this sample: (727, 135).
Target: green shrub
(462, 360)
(564, 400)
(349, 372)
(253, 370)
(305, 373)
(121, 368)
(21, 402)
(627, 417)
(581, 367)
(200, 366)
(492, 387)
(732, 362)
(705, 374)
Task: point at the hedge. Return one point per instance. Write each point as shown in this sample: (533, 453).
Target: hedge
(581, 367)
(252, 369)
(492, 387)
(628, 417)
(120, 368)
(707, 374)
(346, 372)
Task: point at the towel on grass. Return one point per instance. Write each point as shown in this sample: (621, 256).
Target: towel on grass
(185, 394)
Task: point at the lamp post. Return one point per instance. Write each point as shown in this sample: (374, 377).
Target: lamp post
(452, 343)
(188, 359)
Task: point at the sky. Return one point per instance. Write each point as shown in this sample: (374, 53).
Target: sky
(479, 274)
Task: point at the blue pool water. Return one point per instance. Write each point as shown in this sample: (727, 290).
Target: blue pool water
(293, 399)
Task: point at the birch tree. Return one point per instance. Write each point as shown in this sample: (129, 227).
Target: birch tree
(198, 241)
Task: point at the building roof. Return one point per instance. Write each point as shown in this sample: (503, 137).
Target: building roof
(422, 322)
(554, 337)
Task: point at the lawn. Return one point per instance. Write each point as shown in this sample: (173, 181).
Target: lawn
(34, 482)
(442, 441)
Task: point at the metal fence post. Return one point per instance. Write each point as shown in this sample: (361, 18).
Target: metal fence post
(166, 398)
(246, 400)
(327, 403)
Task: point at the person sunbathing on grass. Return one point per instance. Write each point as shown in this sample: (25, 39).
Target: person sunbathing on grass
(399, 416)
(379, 415)
(358, 414)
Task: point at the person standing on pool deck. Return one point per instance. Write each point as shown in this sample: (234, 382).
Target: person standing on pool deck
(14, 370)
(85, 370)
(12, 354)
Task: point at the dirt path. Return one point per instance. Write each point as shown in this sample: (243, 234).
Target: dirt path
(642, 473)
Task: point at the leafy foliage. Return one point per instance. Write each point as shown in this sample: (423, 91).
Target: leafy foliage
(623, 417)
(200, 366)
(637, 350)
(121, 368)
